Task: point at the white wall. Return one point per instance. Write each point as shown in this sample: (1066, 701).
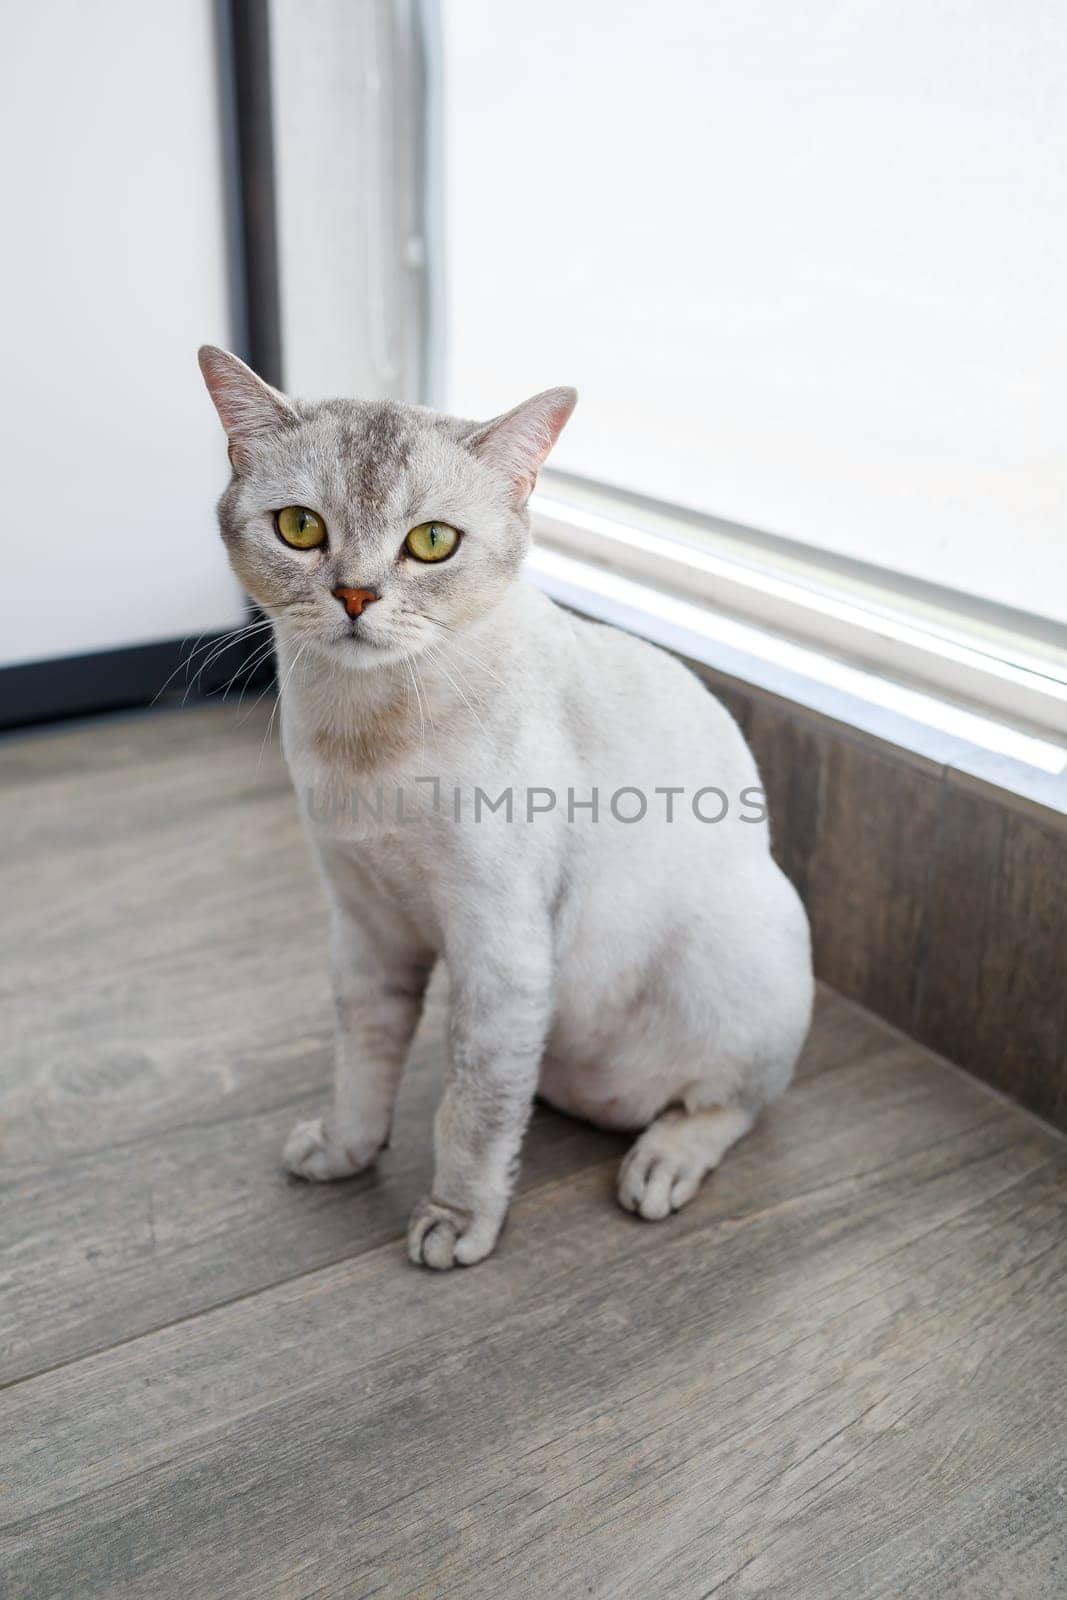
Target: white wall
(112, 272)
(805, 262)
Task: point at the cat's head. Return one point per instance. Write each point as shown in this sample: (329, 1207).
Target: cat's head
(369, 528)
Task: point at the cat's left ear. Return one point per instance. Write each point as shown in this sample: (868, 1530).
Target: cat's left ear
(247, 406)
(517, 443)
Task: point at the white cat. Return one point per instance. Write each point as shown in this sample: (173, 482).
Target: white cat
(610, 945)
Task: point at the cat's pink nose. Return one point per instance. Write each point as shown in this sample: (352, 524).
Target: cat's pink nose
(354, 600)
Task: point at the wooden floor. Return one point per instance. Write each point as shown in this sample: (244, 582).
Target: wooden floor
(841, 1372)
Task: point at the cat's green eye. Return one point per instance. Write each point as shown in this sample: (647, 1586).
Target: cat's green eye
(300, 527)
(431, 541)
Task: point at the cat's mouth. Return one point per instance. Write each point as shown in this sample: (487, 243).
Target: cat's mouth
(357, 648)
(355, 633)
(354, 644)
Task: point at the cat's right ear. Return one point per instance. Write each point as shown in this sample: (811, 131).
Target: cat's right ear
(247, 406)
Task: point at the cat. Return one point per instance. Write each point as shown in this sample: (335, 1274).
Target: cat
(647, 972)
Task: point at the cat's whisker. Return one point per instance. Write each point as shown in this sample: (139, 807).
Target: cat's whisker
(259, 697)
(240, 637)
(460, 642)
(214, 646)
(435, 656)
(281, 691)
(465, 650)
(232, 637)
(291, 607)
(184, 662)
(418, 698)
(429, 707)
(251, 662)
(260, 654)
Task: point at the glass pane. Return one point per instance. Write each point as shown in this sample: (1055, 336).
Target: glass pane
(806, 264)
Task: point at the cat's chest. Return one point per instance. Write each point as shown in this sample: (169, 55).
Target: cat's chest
(393, 813)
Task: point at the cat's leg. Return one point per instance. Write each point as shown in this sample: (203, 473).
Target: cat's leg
(664, 1169)
(379, 979)
(501, 1009)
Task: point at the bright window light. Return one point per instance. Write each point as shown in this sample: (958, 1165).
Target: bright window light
(805, 264)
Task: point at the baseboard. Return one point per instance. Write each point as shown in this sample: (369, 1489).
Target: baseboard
(934, 903)
(117, 680)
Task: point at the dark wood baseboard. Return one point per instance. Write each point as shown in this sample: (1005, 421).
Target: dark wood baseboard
(118, 680)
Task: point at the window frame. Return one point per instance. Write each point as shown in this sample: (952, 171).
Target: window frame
(971, 652)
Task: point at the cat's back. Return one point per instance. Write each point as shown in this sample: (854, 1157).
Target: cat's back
(632, 703)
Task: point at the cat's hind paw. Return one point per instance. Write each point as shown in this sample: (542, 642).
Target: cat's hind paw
(654, 1185)
(665, 1168)
(310, 1152)
(442, 1236)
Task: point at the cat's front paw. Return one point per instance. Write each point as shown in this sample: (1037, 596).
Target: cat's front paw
(311, 1152)
(442, 1236)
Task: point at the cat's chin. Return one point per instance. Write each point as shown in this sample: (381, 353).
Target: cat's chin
(363, 654)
